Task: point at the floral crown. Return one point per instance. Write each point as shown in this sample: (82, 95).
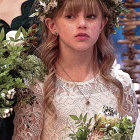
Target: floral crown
(116, 7)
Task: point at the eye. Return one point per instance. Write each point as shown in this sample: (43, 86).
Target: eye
(69, 16)
(91, 16)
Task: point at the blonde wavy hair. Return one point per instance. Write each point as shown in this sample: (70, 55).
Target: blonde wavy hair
(103, 49)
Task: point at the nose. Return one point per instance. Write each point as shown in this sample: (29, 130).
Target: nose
(82, 22)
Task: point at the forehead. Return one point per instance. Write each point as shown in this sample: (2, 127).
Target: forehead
(76, 6)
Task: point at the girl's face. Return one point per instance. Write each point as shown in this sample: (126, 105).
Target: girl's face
(80, 31)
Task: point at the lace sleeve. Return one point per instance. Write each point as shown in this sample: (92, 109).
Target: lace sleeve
(136, 135)
(28, 121)
(129, 102)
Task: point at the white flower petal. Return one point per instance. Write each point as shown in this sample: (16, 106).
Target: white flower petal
(8, 115)
(3, 95)
(11, 109)
(43, 4)
(7, 102)
(6, 111)
(4, 116)
(12, 34)
(8, 96)
(129, 117)
(116, 1)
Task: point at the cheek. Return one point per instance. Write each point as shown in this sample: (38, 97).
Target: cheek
(65, 30)
(96, 29)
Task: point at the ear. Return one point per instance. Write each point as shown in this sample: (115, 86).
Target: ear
(104, 22)
(50, 25)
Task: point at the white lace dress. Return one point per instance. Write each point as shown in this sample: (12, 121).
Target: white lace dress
(136, 135)
(31, 123)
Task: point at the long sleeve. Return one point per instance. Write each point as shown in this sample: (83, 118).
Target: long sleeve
(129, 102)
(28, 121)
(136, 135)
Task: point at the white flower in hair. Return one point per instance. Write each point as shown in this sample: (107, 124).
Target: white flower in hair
(116, 1)
(50, 6)
(43, 4)
(53, 4)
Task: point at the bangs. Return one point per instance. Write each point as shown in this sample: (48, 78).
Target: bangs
(75, 6)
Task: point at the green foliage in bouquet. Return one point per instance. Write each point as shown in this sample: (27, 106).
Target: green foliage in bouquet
(105, 127)
(83, 127)
(115, 129)
(17, 66)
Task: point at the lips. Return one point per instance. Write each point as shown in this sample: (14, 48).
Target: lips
(82, 36)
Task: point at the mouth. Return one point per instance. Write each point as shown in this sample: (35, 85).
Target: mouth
(82, 36)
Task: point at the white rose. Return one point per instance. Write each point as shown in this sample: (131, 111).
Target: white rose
(6, 111)
(3, 95)
(12, 92)
(12, 34)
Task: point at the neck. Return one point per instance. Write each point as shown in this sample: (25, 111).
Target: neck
(78, 64)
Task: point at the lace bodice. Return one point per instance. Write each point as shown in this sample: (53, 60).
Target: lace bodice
(69, 101)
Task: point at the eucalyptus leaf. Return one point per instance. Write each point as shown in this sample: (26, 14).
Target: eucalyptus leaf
(24, 32)
(29, 30)
(2, 35)
(81, 116)
(78, 122)
(12, 39)
(34, 14)
(4, 42)
(74, 117)
(18, 34)
(90, 120)
(85, 118)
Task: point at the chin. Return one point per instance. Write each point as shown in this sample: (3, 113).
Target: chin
(82, 48)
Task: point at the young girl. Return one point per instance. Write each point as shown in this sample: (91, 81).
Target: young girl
(80, 77)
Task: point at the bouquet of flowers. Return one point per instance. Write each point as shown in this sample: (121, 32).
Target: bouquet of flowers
(108, 126)
(18, 67)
